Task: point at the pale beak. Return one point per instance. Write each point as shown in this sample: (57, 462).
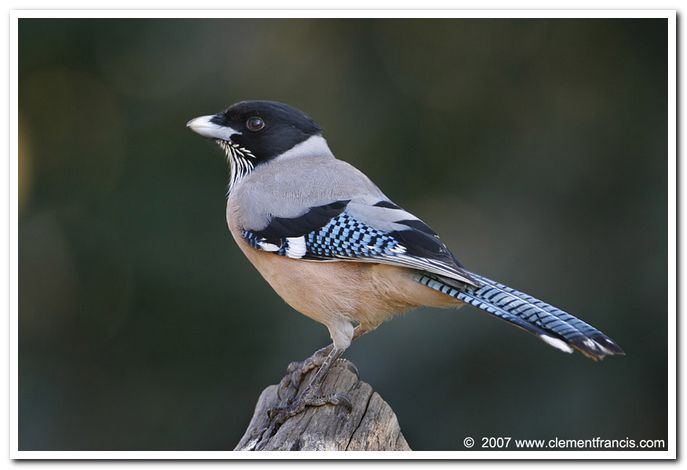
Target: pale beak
(205, 126)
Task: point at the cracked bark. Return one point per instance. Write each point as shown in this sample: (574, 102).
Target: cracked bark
(371, 424)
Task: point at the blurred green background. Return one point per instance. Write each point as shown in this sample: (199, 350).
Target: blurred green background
(536, 148)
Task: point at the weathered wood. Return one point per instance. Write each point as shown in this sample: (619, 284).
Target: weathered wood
(370, 425)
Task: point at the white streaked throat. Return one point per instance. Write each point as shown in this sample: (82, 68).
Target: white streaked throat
(241, 161)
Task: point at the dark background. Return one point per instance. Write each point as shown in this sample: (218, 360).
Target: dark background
(536, 148)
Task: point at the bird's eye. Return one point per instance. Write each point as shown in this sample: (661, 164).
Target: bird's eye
(255, 124)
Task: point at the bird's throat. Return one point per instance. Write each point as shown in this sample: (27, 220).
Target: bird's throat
(241, 161)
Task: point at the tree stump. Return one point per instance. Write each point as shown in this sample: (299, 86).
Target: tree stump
(370, 425)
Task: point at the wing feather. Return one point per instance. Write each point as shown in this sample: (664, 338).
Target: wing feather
(332, 232)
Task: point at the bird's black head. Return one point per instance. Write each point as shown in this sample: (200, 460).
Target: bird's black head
(264, 129)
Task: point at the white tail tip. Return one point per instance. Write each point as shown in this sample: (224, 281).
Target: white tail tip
(557, 343)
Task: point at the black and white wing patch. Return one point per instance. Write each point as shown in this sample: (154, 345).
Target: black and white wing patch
(331, 233)
(287, 236)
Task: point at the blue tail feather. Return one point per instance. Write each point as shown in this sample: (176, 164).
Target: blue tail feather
(554, 326)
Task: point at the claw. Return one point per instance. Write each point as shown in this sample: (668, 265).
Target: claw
(280, 414)
(341, 399)
(297, 370)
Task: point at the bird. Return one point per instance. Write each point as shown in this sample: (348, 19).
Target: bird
(338, 250)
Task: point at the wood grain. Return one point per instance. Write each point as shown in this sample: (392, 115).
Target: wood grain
(370, 425)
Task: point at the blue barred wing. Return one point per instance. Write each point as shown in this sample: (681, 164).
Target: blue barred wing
(330, 233)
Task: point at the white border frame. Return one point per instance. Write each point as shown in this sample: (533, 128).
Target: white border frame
(670, 15)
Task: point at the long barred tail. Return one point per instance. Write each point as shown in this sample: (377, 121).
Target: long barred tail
(554, 326)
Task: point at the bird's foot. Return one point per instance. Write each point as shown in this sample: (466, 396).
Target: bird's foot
(292, 381)
(293, 403)
(278, 415)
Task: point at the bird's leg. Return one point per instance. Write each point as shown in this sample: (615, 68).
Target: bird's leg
(292, 403)
(291, 382)
(311, 396)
